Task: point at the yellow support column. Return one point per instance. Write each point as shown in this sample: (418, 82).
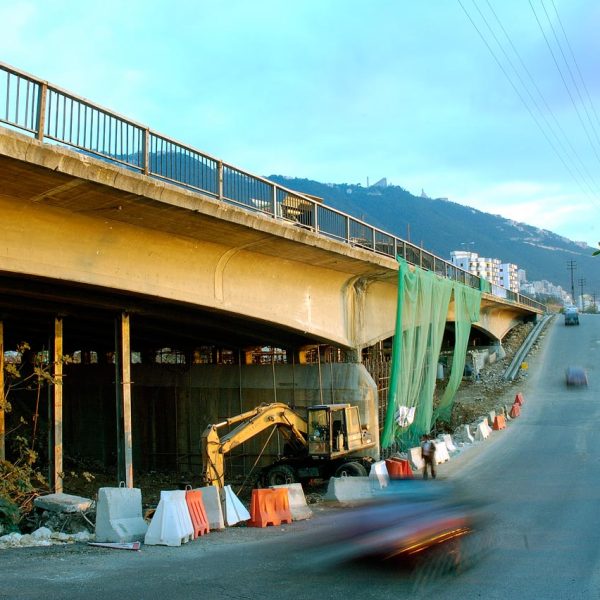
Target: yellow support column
(126, 398)
(57, 471)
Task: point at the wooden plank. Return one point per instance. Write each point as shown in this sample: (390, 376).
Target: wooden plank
(2, 424)
(57, 474)
(126, 382)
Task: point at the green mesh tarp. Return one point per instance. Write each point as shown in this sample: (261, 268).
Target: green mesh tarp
(423, 300)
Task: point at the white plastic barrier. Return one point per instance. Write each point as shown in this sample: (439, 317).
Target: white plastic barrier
(415, 458)
(491, 417)
(348, 490)
(212, 505)
(468, 436)
(483, 431)
(233, 510)
(119, 515)
(507, 412)
(171, 524)
(298, 506)
(441, 452)
(379, 475)
(449, 443)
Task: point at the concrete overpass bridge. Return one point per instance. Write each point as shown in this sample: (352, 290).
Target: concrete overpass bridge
(102, 217)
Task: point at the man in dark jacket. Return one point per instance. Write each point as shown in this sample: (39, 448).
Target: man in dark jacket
(428, 455)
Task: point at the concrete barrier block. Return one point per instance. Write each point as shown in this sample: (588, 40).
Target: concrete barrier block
(483, 431)
(415, 458)
(441, 452)
(119, 515)
(233, 510)
(171, 524)
(379, 475)
(349, 490)
(212, 505)
(468, 435)
(447, 438)
(298, 507)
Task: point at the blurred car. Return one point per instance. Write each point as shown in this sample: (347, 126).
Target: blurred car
(576, 376)
(425, 527)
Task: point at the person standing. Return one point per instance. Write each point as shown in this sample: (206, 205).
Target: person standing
(428, 455)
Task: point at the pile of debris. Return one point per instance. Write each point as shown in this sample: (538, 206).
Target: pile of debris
(57, 519)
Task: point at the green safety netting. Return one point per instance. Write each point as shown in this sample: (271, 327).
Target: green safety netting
(422, 309)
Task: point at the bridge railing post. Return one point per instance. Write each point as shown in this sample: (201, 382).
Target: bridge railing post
(316, 216)
(40, 122)
(146, 151)
(274, 201)
(220, 180)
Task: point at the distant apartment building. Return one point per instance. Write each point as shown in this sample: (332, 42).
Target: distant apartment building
(509, 276)
(487, 268)
(545, 288)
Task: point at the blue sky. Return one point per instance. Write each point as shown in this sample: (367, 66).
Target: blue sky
(342, 90)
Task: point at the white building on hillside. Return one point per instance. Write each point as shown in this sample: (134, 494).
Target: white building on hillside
(509, 277)
(487, 268)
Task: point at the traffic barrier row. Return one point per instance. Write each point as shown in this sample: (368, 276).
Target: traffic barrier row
(183, 515)
(483, 429)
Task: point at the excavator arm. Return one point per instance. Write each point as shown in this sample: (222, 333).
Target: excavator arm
(250, 424)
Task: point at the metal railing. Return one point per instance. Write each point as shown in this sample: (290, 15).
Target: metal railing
(50, 113)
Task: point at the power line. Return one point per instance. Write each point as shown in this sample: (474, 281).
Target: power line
(564, 82)
(576, 63)
(570, 71)
(543, 99)
(521, 97)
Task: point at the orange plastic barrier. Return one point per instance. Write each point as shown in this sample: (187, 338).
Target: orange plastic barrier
(398, 468)
(515, 411)
(193, 499)
(499, 422)
(519, 399)
(270, 507)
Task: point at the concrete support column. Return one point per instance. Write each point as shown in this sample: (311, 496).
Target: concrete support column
(123, 397)
(57, 408)
(2, 399)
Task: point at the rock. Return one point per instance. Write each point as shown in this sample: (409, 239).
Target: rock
(43, 533)
(81, 536)
(26, 540)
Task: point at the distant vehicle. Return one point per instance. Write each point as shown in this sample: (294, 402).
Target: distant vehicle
(571, 315)
(576, 376)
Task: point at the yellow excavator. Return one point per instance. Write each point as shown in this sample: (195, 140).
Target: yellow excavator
(324, 445)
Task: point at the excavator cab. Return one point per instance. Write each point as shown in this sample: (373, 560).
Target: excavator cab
(335, 430)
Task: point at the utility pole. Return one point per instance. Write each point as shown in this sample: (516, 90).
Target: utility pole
(572, 266)
(595, 305)
(581, 284)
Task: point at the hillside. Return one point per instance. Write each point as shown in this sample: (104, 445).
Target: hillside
(442, 226)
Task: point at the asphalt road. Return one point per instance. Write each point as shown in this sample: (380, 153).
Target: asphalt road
(540, 476)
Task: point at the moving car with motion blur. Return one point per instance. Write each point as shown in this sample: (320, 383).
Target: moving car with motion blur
(428, 528)
(576, 376)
